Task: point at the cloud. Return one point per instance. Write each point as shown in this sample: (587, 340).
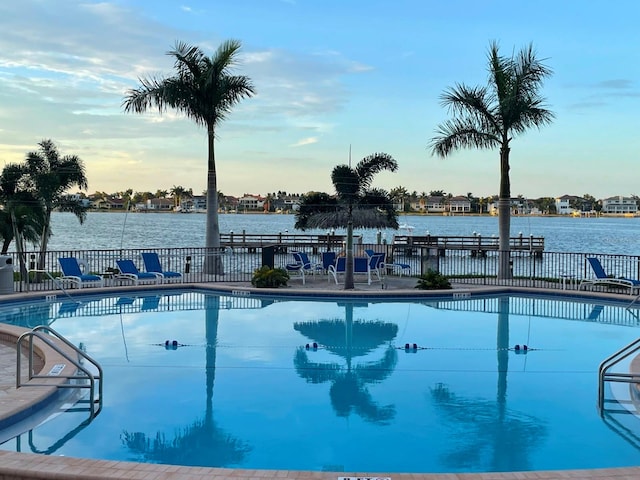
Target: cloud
(64, 70)
(617, 84)
(305, 141)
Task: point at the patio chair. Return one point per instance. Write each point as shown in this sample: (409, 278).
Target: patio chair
(328, 259)
(72, 272)
(361, 265)
(376, 265)
(303, 265)
(127, 270)
(152, 265)
(602, 278)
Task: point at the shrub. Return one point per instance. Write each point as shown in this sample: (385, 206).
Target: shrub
(433, 280)
(267, 277)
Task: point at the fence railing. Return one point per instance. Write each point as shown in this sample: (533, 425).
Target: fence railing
(551, 270)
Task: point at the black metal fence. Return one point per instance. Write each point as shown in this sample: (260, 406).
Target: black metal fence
(549, 270)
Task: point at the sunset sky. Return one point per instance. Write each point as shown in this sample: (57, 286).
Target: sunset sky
(329, 74)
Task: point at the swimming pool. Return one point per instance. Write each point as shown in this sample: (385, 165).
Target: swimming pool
(243, 389)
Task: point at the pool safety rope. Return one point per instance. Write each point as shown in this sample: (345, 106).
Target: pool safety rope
(414, 347)
(172, 344)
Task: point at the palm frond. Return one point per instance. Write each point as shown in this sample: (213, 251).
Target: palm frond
(361, 217)
(459, 133)
(373, 164)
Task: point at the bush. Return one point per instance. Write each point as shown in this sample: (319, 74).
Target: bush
(267, 277)
(433, 280)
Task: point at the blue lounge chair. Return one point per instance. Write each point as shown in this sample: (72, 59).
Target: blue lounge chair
(303, 265)
(328, 259)
(361, 266)
(152, 265)
(128, 271)
(607, 280)
(71, 272)
(376, 265)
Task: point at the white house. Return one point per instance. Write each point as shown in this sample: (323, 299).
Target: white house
(620, 205)
(562, 205)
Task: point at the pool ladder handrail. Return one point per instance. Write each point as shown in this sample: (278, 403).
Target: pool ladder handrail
(41, 332)
(604, 375)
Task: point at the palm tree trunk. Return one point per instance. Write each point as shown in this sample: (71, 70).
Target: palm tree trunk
(44, 243)
(504, 217)
(19, 239)
(348, 274)
(213, 262)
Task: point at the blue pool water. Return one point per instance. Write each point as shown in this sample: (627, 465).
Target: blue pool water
(243, 390)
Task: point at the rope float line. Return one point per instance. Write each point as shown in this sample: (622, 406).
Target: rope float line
(408, 347)
(414, 347)
(172, 345)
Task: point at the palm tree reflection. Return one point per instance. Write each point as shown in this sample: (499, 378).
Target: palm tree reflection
(486, 432)
(350, 339)
(203, 442)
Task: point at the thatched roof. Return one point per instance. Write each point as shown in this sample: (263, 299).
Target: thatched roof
(362, 218)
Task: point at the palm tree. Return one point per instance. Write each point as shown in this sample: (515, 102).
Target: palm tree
(490, 116)
(21, 216)
(356, 203)
(177, 192)
(398, 194)
(50, 176)
(203, 89)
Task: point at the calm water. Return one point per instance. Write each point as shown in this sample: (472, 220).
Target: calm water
(243, 391)
(145, 230)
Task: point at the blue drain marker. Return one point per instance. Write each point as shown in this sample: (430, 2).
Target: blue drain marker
(364, 478)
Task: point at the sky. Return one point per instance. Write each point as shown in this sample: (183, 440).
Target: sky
(331, 77)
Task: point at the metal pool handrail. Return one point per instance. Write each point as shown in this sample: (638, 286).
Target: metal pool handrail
(609, 362)
(39, 332)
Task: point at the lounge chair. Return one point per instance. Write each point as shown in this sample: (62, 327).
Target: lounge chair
(127, 270)
(303, 265)
(607, 280)
(361, 265)
(72, 272)
(328, 259)
(376, 265)
(152, 265)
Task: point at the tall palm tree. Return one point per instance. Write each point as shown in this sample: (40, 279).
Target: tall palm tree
(51, 176)
(490, 116)
(203, 89)
(22, 215)
(357, 203)
(177, 192)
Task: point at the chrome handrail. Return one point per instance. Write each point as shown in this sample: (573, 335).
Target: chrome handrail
(610, 361)
(40, 333)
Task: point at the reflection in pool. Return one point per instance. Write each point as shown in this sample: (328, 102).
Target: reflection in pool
(275, 383)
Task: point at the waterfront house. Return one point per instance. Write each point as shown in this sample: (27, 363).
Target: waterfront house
(436, 204)
(563, 206)
(155, 205)
(250, 203)
(459, 204)
(109, 203)
(620, 205)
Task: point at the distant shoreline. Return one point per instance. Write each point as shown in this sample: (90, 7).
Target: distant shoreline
(403, 214)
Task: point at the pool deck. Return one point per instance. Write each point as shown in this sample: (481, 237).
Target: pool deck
(16, 466)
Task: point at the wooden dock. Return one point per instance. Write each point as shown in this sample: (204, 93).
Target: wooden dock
(478, 245)
(283, 242)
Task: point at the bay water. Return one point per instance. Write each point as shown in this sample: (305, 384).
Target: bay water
(610, 235)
